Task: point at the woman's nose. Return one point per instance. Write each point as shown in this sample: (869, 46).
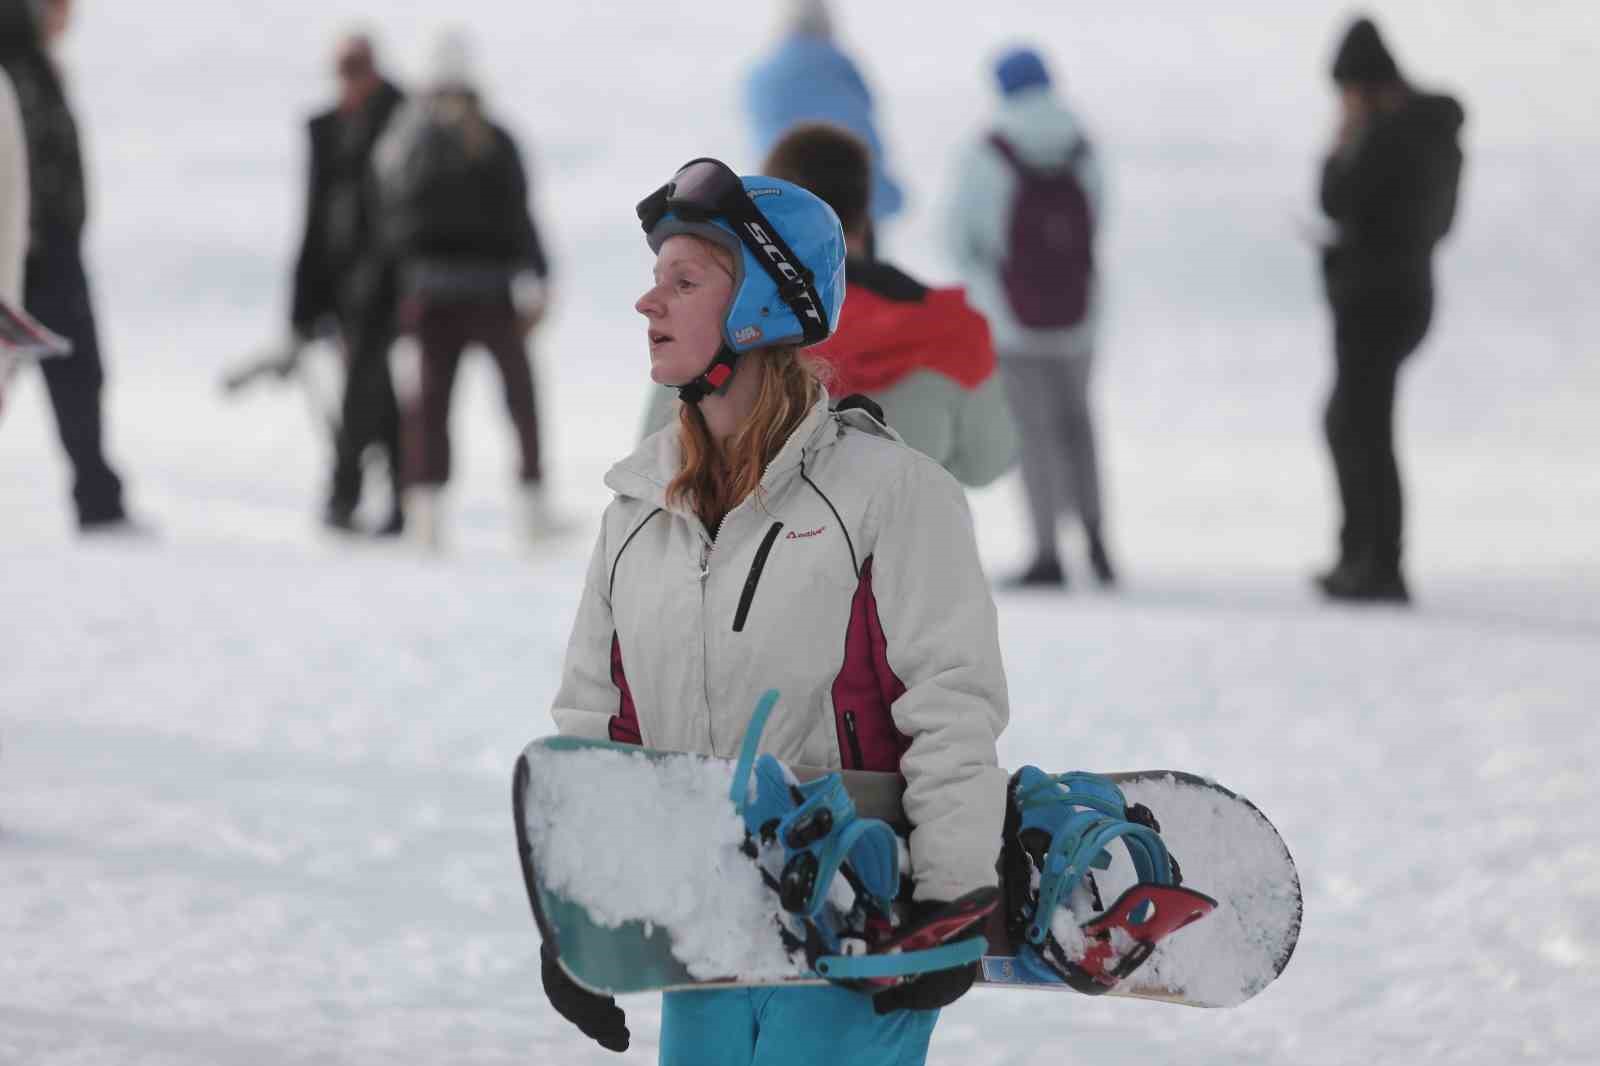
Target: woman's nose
(649, 305)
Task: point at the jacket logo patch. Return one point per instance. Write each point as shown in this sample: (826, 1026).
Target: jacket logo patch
(793, 535)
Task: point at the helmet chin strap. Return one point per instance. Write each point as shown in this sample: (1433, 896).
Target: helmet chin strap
(714, 380)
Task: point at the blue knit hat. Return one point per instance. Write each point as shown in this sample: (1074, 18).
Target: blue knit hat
(1019, 69)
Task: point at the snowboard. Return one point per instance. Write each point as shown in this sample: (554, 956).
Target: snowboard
(316, 366)
(24, 337)
(639, 875)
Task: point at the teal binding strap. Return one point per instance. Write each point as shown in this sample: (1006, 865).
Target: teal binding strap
(820, 832)
(1083, 790)
(1083, 813)
(1071, 854)
(902, 963)
(740, 791)
(869, 845)
(825, 826)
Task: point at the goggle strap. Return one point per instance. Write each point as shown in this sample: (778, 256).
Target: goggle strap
(799, 291)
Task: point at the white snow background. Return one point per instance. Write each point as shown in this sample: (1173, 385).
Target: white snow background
(254, 781)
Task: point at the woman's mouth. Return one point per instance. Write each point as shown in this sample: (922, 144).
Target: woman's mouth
(659, 338)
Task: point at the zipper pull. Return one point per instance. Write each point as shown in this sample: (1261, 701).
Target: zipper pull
(705, 560)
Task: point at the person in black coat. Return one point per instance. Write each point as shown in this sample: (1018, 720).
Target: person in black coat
(341, 281)
(56, 288)
(471, 271)
(1389, 186)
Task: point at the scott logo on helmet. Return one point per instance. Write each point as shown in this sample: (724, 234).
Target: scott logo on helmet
(785, 268)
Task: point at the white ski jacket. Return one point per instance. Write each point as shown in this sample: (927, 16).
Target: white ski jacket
(851, 584)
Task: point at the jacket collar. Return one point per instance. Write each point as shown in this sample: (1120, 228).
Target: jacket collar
(646, 473)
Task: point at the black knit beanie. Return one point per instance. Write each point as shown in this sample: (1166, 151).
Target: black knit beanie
(1362, 58)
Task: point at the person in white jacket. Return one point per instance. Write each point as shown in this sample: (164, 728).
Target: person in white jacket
(13, 211)
(764, 541)
(1023, 213)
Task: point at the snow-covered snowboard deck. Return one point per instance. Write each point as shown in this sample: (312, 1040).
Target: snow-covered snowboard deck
(633, 864)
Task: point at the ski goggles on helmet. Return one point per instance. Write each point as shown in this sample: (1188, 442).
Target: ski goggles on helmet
(704, 189)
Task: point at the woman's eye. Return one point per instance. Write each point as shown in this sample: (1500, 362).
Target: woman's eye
(684, 285)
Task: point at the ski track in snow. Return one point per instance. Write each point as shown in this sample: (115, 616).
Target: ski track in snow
(254, 782)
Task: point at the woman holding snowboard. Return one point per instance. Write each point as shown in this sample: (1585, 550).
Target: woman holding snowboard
(766, 541)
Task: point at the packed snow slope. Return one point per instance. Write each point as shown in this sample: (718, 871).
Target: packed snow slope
(254, 781)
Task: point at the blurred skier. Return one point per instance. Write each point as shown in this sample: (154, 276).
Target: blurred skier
(55, 286)
(339, 278)
(922, 355)
(807, 76)
(472, 270)
(1389, 185)
(1022, 222)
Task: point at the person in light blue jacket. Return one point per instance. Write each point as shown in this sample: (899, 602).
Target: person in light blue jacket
(807, 77)
(1046, 349)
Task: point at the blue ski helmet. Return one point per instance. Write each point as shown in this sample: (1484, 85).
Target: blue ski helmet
(774, 230)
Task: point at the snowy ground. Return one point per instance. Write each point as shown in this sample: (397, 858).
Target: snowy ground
(254, 782)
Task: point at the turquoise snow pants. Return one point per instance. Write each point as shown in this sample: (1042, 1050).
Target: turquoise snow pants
(789, 1027)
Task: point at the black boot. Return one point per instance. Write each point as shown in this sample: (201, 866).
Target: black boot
(1366, 584)
(1333, 576)
(1099, 561)
(1044, 573)
(340, 516)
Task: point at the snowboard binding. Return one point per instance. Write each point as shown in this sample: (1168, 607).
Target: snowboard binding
(837, 877)
(1057, 830)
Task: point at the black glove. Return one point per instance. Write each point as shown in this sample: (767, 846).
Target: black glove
(928, 992)
(598, 1016)
(932, 990)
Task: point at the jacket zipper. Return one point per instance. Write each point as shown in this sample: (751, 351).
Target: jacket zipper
(705, 639)
(706, 549)
(855, 741)
(754, 578)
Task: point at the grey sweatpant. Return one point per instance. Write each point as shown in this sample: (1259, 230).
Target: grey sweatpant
(1050, 404)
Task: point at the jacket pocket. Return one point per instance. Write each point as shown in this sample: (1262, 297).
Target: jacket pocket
(853, 742)
(754, 577)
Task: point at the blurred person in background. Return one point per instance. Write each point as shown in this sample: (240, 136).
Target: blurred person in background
(471, 270)
(13, 214)
(55, 286)
(340, 284)
(807, 76)
(1023, 216)
(922, 355)
(1389, 186)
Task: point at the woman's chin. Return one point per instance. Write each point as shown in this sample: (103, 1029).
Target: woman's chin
(663, 373)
